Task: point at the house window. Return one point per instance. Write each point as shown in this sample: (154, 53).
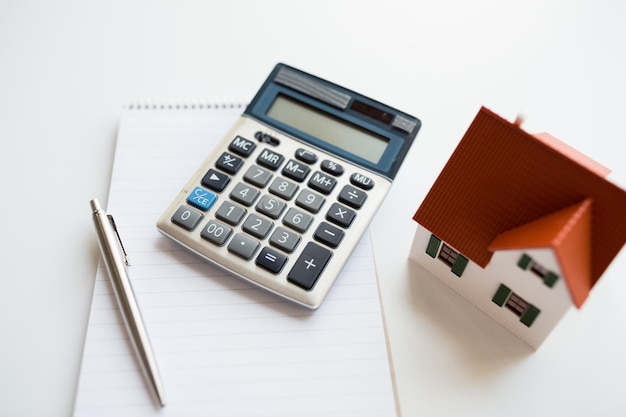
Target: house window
(447, 255)
(516, 304)
(548, 277)
(527, 312)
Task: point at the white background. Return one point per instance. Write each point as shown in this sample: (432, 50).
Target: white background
(67, 67)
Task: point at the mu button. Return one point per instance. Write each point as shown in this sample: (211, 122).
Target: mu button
(309, 266)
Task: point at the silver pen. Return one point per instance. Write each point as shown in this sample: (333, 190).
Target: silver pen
(115, 260)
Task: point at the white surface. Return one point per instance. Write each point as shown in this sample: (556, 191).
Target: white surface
(66, 68)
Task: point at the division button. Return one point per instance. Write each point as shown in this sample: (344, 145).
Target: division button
(215, 180)
(352, 196)
(271, 260)
(243, 246)
(309, 266)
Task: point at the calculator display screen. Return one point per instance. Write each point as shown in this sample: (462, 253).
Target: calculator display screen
(329, 129)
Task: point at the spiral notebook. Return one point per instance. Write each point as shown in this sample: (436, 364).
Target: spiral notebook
(223, 347)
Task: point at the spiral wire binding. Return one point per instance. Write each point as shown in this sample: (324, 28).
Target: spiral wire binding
(184, 105)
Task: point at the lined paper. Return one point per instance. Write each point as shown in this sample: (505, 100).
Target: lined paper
(223, 347)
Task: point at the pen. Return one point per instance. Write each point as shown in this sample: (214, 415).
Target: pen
(115, 259)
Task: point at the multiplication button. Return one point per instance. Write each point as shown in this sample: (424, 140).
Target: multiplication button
(340, 215)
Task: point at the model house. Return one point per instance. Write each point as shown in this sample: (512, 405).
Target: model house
(522, 226)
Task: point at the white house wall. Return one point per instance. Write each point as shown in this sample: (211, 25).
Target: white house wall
(479, 285)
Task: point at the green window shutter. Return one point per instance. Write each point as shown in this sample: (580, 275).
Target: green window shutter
(459, 265)
(550, 279)
(530, 315)
(524, 261)
(501, 295)
(433, 246)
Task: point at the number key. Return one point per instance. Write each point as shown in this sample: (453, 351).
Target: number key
(284, 239)
(216, 232)
(230, 213)
(283, 188)
(270, 206)
(257, 226)
(310, 201)
(297, 220)
(244, 194)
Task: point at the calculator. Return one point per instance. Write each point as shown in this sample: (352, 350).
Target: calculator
(286, 196)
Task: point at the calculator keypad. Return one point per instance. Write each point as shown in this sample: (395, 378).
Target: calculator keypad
(281, 209)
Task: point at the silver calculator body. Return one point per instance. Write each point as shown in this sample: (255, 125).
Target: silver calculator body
(286, 196)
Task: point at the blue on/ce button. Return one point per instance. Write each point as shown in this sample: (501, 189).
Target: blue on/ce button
(201, 198)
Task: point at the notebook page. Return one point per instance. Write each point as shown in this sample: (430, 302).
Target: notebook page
(223, 347)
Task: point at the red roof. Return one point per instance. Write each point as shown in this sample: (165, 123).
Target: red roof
(506, 189)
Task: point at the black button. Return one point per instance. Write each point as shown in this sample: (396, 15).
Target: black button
(309, 266)
(215, 180)
(352, 196)
(340, 215)
(295, 170)
(361, 181)
(305, 156)
(229, 163)
(328, 235)
(322, 183)
(331, 167)
(271, 260)
(269, 159)
(241, 146)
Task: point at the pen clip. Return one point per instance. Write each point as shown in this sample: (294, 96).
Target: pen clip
(119, 239)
